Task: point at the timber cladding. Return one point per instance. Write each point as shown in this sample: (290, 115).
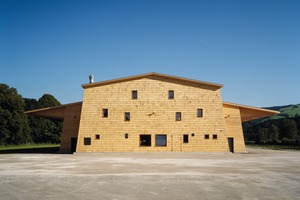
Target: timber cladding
(140, 115)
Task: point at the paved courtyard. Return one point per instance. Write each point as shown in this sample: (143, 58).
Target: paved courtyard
(260, 174)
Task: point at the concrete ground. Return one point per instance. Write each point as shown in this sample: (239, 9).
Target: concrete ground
(260, 174)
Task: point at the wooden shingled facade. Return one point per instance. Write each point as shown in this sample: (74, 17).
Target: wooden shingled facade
(152, 113)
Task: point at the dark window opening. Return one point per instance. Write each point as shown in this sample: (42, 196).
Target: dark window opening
(178, 116)
(87, 141)
(206, 136)
(145, 140)
(127, 116)
(171, 94)
(105, 112)
(200, 112)
(134, 94)
(126, 135)
(215, 136)
(193, 134)
(97, 137)
(185, 138)
(161, 140)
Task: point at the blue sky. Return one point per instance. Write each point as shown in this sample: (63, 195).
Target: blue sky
(251, 47)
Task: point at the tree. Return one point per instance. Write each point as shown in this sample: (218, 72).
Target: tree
(43, 130)
(288, 129)
(13, 127)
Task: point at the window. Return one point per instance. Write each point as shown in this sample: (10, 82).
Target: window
(206, 136)
(193, 134)
(127, 116)
(104, 112)
(97, 137)
(145, 140)
(126, 135)
(185, 138)
(215, 136)
(87, 141)
(199, 112)
(171, 94)
(134, 94)
(161, 140)
(178, 116)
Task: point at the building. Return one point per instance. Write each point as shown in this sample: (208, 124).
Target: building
(152, 113)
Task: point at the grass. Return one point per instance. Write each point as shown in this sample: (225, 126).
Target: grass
(30, 148)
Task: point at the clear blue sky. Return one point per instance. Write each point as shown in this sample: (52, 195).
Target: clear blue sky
(251, 47)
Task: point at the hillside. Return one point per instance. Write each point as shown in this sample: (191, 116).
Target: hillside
(286, 111)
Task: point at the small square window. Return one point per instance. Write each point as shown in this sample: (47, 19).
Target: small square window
(171, 94)
(134, 94)
(193, 134)
(126, 135)
(87, 141)
(161, 140)
(105, 112)
(206, 136)
(178, 116)
(97, 136)
(127, 116)
(185, 138)
(215, 136)
(145, 140)
(199, 112)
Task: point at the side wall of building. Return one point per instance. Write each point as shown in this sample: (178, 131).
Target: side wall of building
(152, 114)
(234, 127)
(70, 127)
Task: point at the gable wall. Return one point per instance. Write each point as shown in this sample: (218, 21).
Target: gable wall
(152, 97)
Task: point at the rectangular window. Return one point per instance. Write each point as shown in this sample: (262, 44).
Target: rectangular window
(127, 116)
(104, 112)
(171, 94)
(215, 136)
(185, 138)
(145, 140)
(161, 140)
(134, 94)
(199, 112)
(206, 136)
(97, 136)
(178, 116)
(87, 141)
(126, 135)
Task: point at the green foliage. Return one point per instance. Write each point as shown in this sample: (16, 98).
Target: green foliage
(273, 131)
(14, 127)
(43, 130)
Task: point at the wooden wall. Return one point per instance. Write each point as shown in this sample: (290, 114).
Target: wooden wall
(152, 113)
(234, 127)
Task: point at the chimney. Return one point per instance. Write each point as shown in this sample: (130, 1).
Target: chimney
(91, 77)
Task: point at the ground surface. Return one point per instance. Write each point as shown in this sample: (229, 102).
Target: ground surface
(260, 174)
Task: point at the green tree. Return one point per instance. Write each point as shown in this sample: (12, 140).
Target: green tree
(14, 127)
(44, 130)
(288, 129)
(273, 133)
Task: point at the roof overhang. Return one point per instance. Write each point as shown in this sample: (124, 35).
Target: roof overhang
(251, 113)
(57, 112)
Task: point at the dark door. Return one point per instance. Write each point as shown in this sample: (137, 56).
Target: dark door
(73, 144)
(231, 145)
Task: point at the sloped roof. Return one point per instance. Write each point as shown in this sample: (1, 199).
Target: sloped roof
(57, 112)
(152, 75)
(250, 113)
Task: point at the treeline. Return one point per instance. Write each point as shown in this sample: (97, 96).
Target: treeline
(276, 131)
(18, 128)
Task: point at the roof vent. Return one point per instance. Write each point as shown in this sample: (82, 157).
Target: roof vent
(91, 77)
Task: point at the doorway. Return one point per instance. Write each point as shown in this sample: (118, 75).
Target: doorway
(73, 144)
(231, 144)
